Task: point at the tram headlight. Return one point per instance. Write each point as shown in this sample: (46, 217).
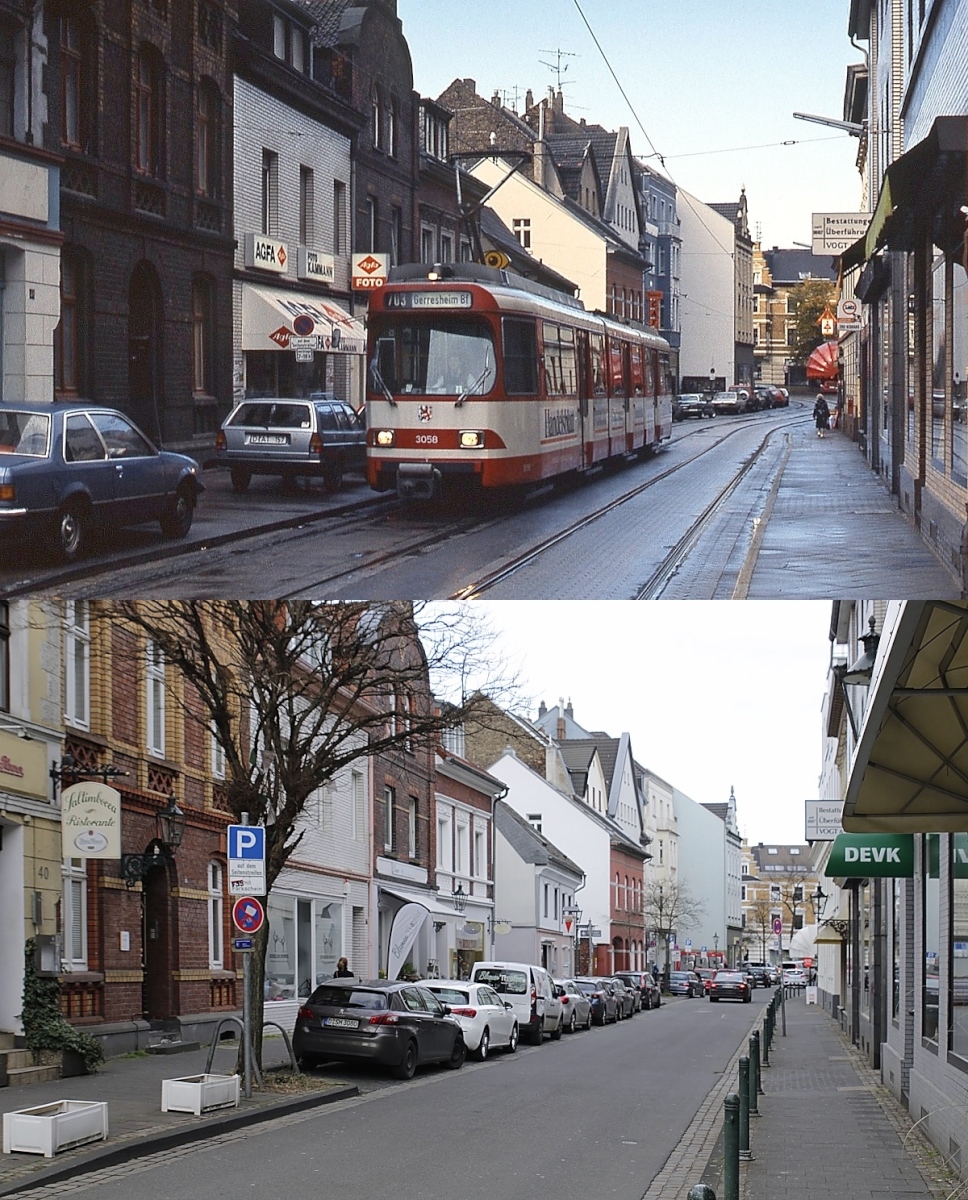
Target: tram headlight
(384, 437)
(471, 439)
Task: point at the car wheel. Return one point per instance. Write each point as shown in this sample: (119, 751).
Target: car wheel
(308, 1061)
(588, 1023)
(747, 999)
(485, 1044)
(557, 1031)
(513, 1041)
(408, 1064)
(177, 519)
(72, 531)
(457, 1055)
(573, 1023)
(240, 479)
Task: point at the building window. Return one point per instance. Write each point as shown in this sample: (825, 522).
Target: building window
(521, 227)
(203, 332)
(446, 247)
(412, 827)
(297, 50)
(444, 847)
(339, 217)
(371, 224)
(4, 656)
(462, 851)
(75, 914)
(544, 906)
(279, 37)
(77, 661)
(270, 192)
(210, 25)
(8, 77)
(396, 235)
(149, 124)
(393, 128)
(155, 699)
(358, 816)
(208, 142)
(218, 756)
(428, 244)
(389, 800)
(306, 192)
(534, 820)
(67, 335)
(377, 119)
(480, 854)
(215, 947)
(71, 82)
(931, 934)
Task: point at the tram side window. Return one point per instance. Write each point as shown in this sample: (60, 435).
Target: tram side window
(561, 375)
(665, 380)
(596, 357)
(520, 357)
(637, 369)
(616, 367)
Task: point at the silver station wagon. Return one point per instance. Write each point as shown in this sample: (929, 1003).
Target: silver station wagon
(320, 437)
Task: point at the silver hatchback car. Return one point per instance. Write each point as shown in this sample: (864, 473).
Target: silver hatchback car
(319, 437)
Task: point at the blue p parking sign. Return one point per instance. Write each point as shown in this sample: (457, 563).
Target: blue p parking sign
(246, 841)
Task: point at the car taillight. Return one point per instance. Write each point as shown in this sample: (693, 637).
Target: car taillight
(464, 1012)
(566, 999)
(307, 1014)
(385, 1018)
(220, 442)
(316, 444)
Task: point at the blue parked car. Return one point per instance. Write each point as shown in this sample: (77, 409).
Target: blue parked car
(66, 467)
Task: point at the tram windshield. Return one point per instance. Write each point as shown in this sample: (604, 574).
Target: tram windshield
(436, 357)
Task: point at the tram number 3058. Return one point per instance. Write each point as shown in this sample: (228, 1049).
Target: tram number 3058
(426, 439)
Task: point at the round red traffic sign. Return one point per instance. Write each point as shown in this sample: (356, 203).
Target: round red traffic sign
(777, 925)
(248, 914)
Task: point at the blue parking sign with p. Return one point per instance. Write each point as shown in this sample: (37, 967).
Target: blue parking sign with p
(247, 841)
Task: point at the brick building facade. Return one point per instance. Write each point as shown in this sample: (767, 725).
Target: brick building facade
(141, 109)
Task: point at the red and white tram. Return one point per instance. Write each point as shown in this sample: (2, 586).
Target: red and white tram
(478, 377)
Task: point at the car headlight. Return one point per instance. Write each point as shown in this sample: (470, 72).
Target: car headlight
(471, 439)
(384, 437)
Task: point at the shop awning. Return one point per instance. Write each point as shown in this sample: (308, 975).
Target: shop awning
(270, 317)
(822, 363)
(922, 180)
(429, 901)
(910, 773)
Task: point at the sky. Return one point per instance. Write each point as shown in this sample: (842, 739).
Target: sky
(713, 694)
(712, 85)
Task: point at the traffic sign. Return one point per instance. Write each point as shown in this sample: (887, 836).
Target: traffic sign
(248, 914)
(246, 860)
(777, 925)
(243, 944)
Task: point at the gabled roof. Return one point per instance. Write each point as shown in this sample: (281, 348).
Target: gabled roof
(578, 756)
(792, 266)
(529, 844)
(328, 15)
(607, 748)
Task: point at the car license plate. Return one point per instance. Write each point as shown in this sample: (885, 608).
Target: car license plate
(342, 1022)
(267, 439)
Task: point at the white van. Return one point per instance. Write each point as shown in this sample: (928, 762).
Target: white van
(529, 990)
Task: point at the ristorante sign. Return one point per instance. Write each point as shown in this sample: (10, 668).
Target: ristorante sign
(91, 821)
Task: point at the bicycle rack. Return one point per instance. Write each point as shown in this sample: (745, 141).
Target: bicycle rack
(255, 1066)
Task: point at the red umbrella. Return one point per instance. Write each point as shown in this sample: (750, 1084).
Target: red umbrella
(822, 363)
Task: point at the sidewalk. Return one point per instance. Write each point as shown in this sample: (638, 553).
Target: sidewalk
(829, 1128)
(131, 1085)
(835, 530)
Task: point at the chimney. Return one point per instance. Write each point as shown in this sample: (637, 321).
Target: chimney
(560, 731)
(470, 83)
(542, 710)
(569, 711)
(496, 99)
(528, 100)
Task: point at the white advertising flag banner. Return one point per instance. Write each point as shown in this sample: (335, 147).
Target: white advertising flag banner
(91, 821)
(403, 933)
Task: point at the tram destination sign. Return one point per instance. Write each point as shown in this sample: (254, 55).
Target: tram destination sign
(429, 300)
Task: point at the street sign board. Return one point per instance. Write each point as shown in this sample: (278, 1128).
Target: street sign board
(823, 819)
(242, 944)
(304, 356)
(246, 860)
(834, 232)
(248, 914)
(594, 932)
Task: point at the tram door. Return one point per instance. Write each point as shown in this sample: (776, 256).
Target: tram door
(586, 423)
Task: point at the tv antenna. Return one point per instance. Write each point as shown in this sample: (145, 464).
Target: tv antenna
(557, 67)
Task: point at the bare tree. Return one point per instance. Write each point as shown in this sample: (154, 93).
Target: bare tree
(670, 907)
(294, 691)
(760, 914)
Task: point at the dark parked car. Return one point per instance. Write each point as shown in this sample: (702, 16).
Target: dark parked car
(761, 976)
(692, 404)
(643, 983)
(626, 998)
(66, 467)
(731, 985)
(685, 983)
(397, 1025)
(602, 999)
(705, 974)
(320, 437)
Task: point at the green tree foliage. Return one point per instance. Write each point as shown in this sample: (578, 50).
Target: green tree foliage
(810, 298)
(44, 1027)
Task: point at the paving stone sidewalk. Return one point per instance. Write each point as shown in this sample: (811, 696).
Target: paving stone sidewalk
(829, 1128)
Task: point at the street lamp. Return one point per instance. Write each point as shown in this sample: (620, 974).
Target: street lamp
(459, 897)
(859, 673)
(819, 899)
(170, 824)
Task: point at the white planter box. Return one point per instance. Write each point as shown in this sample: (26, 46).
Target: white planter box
(199, 1093)
(50, 1128)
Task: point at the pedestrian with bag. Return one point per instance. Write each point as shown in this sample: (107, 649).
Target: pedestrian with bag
(821, 415)
(343, 970)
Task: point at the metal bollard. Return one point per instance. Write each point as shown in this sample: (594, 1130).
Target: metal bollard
(758, 1060)
(731, 1147)
(765, 1041)
(754, 1111)
(701, 1191)
(744, 1108)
